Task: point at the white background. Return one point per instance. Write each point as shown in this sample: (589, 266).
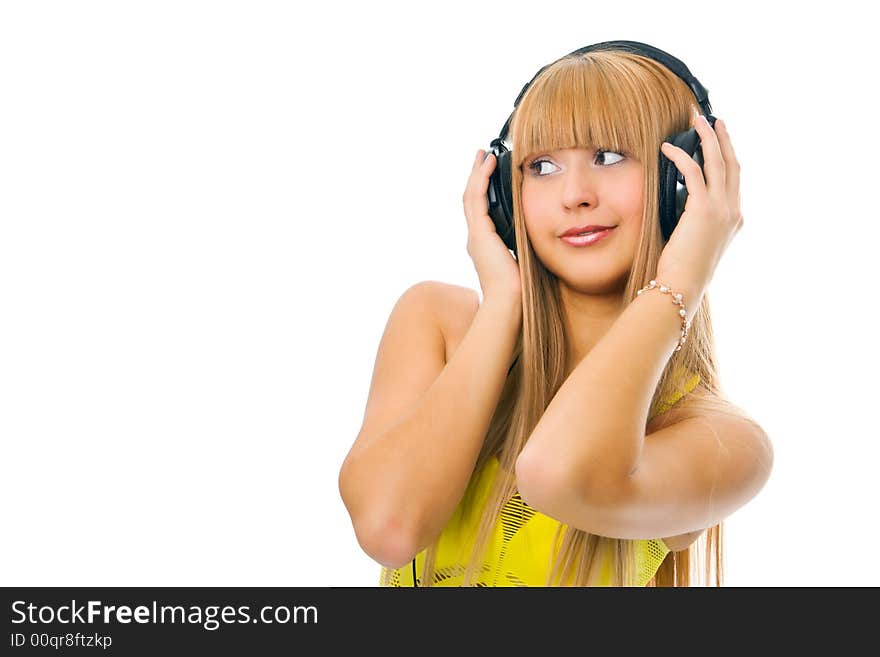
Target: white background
(208, 210)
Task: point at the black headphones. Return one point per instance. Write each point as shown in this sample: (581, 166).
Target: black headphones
(673, 192)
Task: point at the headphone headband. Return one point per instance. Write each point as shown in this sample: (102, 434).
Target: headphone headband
(636, 47)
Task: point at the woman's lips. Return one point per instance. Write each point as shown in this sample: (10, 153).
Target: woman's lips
(587, 240)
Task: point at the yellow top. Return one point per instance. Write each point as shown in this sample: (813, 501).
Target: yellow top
(519, 549)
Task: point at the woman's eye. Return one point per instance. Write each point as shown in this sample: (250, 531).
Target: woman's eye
(603, 153)
(535, 166)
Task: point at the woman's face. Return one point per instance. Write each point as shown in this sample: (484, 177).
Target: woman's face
(572, 187)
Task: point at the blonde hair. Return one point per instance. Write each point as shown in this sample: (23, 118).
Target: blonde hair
(627, 103)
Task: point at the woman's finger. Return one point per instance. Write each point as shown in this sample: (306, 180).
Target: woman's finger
(713, 158)
(731, 163)
(693, 176)
(474, 197)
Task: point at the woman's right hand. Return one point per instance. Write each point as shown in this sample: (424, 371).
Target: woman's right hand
(496, 267)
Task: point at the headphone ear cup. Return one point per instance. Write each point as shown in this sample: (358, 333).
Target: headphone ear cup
(672, 188)
(500, 195)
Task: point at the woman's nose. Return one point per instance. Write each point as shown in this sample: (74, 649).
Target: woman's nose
(579, 185)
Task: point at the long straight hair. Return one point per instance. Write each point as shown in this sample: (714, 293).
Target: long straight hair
(625, 103)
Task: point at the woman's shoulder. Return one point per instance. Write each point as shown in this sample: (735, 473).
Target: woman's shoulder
(453, 307)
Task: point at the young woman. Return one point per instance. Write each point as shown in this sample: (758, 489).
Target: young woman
(569, 429)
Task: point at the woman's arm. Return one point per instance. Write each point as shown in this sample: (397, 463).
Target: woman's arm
(409, 466)
(588, 463)
(594, 427)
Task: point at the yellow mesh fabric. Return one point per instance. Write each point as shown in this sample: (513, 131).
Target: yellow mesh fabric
(519, 548)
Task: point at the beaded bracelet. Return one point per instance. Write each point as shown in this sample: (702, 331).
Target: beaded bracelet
(677, 300)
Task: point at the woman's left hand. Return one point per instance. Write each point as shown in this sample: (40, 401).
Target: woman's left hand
(711, 214)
